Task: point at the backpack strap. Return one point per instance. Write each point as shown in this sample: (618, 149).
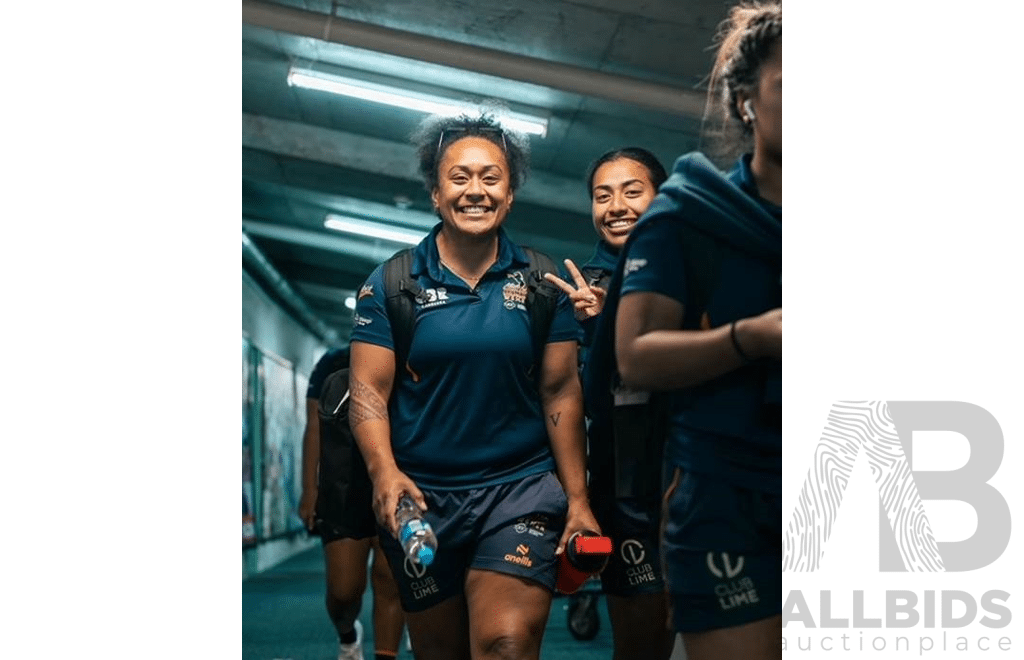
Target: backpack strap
(541, 301)
(400, 291)
(595, 276)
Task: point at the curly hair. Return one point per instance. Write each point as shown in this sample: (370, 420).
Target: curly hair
(745, 41)
(436, 133)
(655, 170)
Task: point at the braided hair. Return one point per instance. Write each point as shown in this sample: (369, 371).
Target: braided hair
(745, 40)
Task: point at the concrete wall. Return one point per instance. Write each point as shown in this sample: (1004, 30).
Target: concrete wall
(274, 331)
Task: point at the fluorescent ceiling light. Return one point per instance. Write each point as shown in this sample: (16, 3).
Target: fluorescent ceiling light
(401, 98)
(373, 229)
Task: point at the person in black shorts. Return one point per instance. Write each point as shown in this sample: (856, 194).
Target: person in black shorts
(622, 183)
(347, 534)
(714, 350)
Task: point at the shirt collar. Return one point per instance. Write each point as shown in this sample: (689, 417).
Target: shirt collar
(427, 260)
(604, 257)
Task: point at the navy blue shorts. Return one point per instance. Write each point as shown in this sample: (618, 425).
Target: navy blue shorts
(635, 565)
(510, 528)
(722, 550)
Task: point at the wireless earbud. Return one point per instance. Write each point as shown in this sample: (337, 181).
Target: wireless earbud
(748, 105)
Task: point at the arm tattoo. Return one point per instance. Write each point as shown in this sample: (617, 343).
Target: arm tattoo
(365, 405)
(554, 418)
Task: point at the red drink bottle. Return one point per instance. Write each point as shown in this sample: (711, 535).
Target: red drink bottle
(585, 554)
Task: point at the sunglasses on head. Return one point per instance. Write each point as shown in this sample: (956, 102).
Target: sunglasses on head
(475, 130)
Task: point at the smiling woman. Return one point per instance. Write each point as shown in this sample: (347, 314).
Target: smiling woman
(471, 426)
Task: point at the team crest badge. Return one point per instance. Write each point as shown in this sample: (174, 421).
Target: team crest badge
(515, 291)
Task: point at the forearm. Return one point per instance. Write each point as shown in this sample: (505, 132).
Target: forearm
(669, 359)
(371, 427)
(311, 448)
(563, 414)
(310, 460)
(652, 352)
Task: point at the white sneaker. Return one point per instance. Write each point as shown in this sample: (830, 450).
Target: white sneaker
(353, 651)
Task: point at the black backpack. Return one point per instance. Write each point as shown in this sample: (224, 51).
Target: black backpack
(345, 490)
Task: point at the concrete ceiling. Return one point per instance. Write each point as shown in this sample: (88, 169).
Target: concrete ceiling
(606, 73)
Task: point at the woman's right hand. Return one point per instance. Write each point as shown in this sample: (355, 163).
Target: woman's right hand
(388, 488)
(761, 336)
(307, 507)
(587, 301)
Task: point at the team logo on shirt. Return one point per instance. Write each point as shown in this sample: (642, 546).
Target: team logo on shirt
(432, 297)
(633, 265)
(515, 291)
(362, 320)
(367, 290)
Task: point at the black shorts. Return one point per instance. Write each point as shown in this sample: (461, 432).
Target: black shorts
(511, 528)
(722, 550)
(344, 503)
(334, 522)
(635, 565)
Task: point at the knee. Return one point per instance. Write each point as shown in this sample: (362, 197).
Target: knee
(345, 593)
(384, 584)
(511, 646)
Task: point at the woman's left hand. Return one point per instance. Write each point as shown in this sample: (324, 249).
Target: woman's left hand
(579, 518)
(587, 301)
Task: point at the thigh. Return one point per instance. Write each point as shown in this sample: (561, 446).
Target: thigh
(634, 567)
(383, 580)
(640, 626)
(507, 615)
(449, 513)
(345, 564)
(440, 632)
(722, 554)
(757, 640)
(520, 528)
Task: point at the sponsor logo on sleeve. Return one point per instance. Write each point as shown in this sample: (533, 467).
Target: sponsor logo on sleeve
(633, 265)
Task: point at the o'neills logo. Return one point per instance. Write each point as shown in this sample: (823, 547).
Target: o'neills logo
(515, 291)
(521, 558)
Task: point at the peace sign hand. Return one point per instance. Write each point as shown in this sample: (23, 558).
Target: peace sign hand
(587, 300)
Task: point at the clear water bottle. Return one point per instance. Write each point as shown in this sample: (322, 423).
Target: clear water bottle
(414, 533)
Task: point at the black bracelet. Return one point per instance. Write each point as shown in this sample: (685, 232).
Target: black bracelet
(736, 344)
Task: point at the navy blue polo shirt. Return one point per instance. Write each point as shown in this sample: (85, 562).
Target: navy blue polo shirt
(329, 362)
(721, 431)
(470, 416)
(604, 258)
